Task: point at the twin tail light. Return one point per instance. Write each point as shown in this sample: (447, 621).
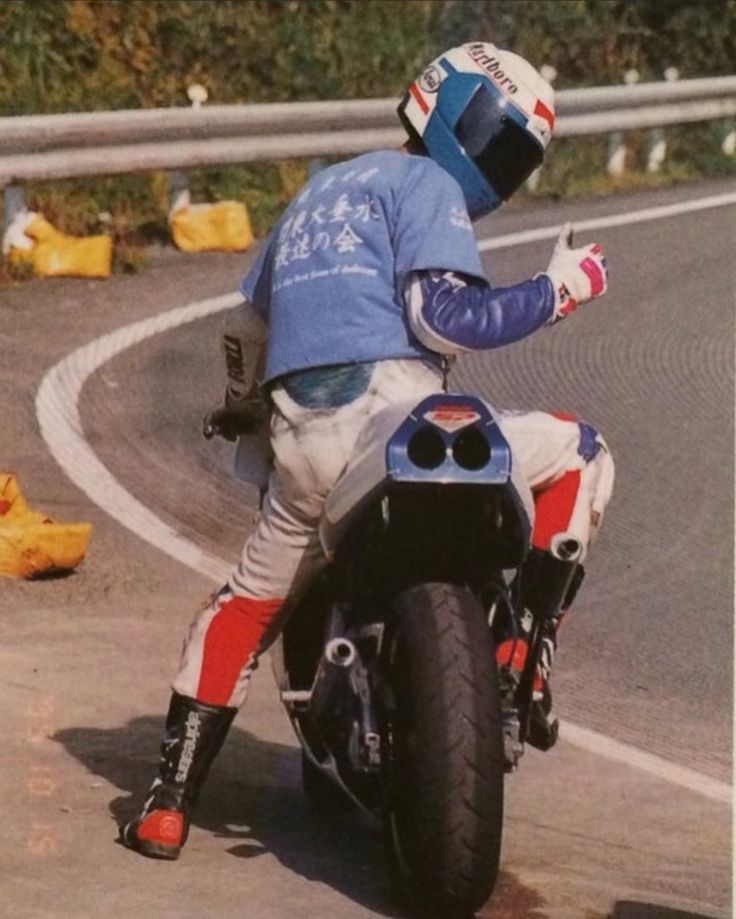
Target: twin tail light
(469, 449)
(450, 438)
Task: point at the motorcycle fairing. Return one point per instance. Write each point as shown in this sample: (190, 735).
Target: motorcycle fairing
(447, 439)
(427, 446)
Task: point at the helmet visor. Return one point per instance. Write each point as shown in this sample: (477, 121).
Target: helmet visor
(501, 148)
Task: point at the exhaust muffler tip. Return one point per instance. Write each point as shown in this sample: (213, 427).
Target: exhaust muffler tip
(566, 547)
(340, 652)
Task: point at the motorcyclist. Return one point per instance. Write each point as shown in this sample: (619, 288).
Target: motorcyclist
(369, 280)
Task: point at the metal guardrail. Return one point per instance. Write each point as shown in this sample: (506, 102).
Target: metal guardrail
(112, 143)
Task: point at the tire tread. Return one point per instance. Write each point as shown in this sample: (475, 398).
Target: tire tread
(459, 794)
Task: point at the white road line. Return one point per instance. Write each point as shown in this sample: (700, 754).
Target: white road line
(57, 409)
(624, 753)
(609, 220)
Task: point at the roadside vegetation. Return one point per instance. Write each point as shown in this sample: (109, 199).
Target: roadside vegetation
(81, 55)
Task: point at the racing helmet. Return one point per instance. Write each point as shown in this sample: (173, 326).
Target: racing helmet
(486, 116)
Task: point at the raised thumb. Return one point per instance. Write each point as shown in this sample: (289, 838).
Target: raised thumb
(564, 240)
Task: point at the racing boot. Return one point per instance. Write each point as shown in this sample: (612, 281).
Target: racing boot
(512, 654)
(542, 730)
(193, 736)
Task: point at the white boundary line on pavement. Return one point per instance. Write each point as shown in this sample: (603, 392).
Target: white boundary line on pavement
(57, 409)
(609, 220)
(628, 755)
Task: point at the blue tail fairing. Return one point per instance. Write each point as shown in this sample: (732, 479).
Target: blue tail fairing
(449, 439)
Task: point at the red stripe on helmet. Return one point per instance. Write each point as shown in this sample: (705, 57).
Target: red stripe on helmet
(414, 90)
(549, 116)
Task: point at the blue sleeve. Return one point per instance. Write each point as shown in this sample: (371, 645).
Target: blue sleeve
(477, 316)
(432, 228)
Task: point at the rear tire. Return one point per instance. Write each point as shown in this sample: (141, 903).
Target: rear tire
(444, 752)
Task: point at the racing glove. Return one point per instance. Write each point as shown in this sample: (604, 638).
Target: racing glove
(234, 418)
(577, 275)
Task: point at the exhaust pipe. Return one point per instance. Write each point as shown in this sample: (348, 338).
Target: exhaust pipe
(547, 575)
(566, 548)
(340, 652)
(332, 680)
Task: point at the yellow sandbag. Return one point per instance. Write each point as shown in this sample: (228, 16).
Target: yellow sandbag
(52, 253)
(224, 227)
(31, 543)
(13, 506)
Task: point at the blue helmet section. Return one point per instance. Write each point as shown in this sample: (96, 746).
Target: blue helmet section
(453, 97)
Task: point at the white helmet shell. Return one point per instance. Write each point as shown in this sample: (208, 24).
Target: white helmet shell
(524, 85)
(440, 104)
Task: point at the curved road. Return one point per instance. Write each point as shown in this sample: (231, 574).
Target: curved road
(647, 657)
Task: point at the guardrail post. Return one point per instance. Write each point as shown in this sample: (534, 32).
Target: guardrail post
(178, 179)
(657, 145)
(616, 144)
(549, 73)
(728, 144)
(14, 202)
(178, 190)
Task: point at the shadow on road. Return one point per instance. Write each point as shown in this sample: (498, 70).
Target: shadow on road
(254, 798)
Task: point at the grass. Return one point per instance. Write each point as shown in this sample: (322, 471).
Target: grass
(578, 166)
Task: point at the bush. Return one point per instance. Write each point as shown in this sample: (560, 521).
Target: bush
(74, 55)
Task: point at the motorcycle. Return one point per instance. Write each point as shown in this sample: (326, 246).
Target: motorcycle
(387, 665)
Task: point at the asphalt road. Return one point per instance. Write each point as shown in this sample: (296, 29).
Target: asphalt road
(647, 658)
